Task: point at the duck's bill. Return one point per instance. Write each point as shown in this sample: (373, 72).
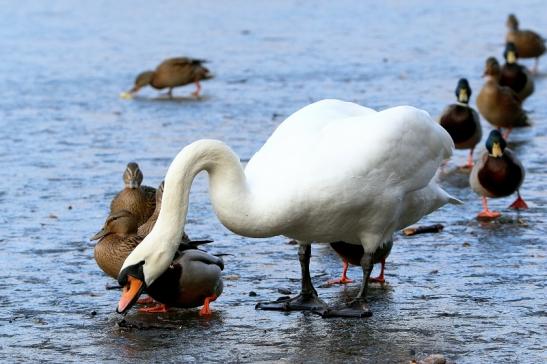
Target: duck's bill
(100, 234)
(126, 95)
(130, 294)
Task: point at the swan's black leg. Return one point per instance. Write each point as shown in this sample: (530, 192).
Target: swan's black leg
(358, 307)
(307, 299)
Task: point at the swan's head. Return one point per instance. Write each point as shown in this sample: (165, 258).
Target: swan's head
(143, 79)
(492, 68)
(510, 54)
(512, 22)
(463, 91)
(132, 176)
(495, 144)
(120, 222)
(146, 263)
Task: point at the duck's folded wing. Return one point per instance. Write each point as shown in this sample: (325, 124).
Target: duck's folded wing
(201, 256)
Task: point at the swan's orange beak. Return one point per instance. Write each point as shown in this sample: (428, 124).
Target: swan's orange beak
(130, 294)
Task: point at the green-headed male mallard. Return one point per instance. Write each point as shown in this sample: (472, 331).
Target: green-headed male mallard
(514, 75)
(497, 173)
(462, 122)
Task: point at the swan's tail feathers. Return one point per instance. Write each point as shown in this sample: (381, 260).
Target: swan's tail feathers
(454, 201)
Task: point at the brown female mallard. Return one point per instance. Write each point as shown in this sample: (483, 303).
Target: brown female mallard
(138, 200)
(514, 75)
(497, 173)
(462, 122)
(173, 72)
(499, 105)
(117, 239)
(529, 43)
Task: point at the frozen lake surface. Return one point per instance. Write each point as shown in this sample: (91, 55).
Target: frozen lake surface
(475, 292)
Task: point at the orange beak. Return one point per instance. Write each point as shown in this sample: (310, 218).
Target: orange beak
(130, 294)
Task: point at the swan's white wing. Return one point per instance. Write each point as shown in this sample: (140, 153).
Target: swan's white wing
(400, 147)
(349, 173)
(299, 131)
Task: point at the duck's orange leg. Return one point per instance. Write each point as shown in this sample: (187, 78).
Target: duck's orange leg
(206, 310)
(158, 308)
(469, 164)
(198, 89)
(344, 279)
(486, 213)
(380, 278)
(506, 133)
(519, 203)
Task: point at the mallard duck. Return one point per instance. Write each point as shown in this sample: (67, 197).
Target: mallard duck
(173, 72)
(138, 200)
(514, 75)
(117, 239)
(193, 279)
(462, 122)
(351, 168)
(529, 44)
(499, 105)
(498, 173)
(352, 254)
(190, 281)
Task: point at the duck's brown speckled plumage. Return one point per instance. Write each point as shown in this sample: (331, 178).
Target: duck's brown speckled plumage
(118, 238)
(499, 105)
(173, 72)
(529, 44)
(179, 71)
(137, 199)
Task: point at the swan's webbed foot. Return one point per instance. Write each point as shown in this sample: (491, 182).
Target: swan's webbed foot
(307, 300)
(299, 303)
(357, 308)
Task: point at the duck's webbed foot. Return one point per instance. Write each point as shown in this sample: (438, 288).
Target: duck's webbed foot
(519, 203)
(298, 303)
(357, 308)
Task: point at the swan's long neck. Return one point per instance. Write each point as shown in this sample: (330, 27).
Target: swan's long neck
(232, 200)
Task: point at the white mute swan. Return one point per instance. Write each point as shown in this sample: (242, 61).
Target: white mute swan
(333, 171)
